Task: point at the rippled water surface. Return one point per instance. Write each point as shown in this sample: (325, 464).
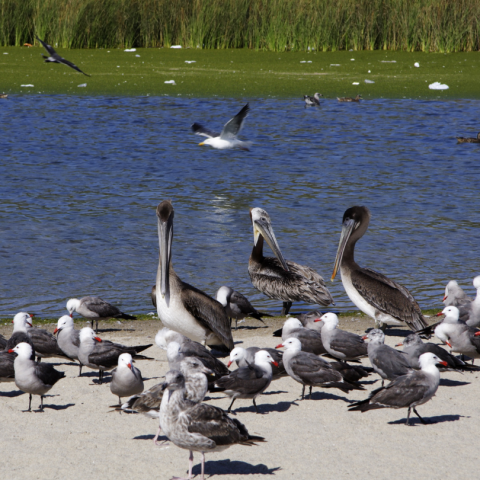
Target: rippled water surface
(80, 178)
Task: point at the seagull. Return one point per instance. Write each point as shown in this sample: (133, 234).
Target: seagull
(32, 377)
(312, 101)
(198, 426)
(126, 378)
(56, 58)
(228, 137)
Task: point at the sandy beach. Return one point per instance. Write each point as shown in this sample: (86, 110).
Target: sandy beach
(80, 437)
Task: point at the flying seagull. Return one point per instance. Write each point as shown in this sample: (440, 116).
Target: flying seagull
(228, 137)
(56, 58)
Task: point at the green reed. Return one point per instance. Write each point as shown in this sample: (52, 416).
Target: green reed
(275, 25)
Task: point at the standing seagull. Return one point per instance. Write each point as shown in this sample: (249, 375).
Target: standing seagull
(454, 295)
(228, 137)
(277, 278)
(196, 387)
(180, 306)
(250, 381)
(408, 391)
(94, 308)
(312, 101)
(311, 340)
(56, 58)
(33, 377)
(310, 370)
(246, 356)
(103, 355)
(384, 300)
(197, 426)
(126, 378)
(237, 306)
(340, 343)
(68, 338)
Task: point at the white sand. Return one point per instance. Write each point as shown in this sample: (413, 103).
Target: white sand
(78, 438)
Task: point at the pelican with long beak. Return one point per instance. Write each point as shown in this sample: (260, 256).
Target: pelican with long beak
(387, 302)
(180, 306)
(278, 278)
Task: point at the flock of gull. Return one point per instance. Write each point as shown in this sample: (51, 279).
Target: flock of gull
(197, 330)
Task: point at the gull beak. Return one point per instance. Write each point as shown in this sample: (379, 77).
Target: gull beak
(449, 344)
(364, 337)
(129, 365)
(399, 345)
(11, 351)
(439, 314)
(55, 331)
(445, 364)
(477, 334)
(444, 298)
(201, 144)
(28, 323)
(347, 229)
(229, 363)
(317, 320)
(97, 339)
(71, 315)
(279, 346)
(275, 363)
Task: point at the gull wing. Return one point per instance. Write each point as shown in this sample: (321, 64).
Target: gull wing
(232, 128)
(71, 65)
(58, 58)
(47, 47)
(205, 132)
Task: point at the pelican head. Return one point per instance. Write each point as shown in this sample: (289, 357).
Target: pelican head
(165, 216)
(262, 226)
(355, 224)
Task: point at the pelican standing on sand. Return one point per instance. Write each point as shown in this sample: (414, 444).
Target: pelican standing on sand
(278, 278)
(384, 300)
(180, 306)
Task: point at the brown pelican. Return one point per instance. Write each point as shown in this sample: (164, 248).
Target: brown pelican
(277, 278)
(374, 294)
(180, 306)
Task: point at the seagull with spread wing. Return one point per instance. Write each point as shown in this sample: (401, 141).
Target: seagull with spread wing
(228, 137)
(56, 58)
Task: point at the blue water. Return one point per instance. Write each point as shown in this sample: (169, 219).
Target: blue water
(80, 178)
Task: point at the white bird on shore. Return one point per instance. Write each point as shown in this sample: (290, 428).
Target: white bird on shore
(126, 378)
(228, 137)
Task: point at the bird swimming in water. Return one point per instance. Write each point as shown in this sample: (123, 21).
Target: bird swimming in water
(228, 137)
(349, 99)
(469, 140)
(312, 101)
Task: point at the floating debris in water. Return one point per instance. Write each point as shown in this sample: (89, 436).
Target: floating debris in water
(388, 61)
(28, 85)
(5, 53)
(190, 61)
(334, 64)
(82, 85)
(416, 64)
(137, 56)
(130, 50)
(171, 82)
(352, 59)
(356, 83)
(369, 81)
(176, 46)
(438, 86)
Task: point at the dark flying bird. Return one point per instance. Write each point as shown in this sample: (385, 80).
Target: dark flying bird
(56, 58)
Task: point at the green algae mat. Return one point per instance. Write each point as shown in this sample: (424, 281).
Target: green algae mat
(242, 73)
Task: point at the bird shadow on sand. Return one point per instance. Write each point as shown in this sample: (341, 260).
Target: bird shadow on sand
(445, 382)
(265, 408)
(251, 327)
(274, 393)
(395, 332)
(326, 396)
(429, 420)
(59, 407)
(235, 467)
(161, 438)
(15, 393)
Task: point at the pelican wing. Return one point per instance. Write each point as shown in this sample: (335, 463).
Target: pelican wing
(388, 297)
(205, 132)
(232, 128)
(208, 312)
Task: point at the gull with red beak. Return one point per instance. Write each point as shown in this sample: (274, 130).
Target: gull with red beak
(95, 309)
(250, 381)
(246, 356)
(68, 338)
(103, 355)
(386, 301)
(454, 295)
(33, 377)
(43, 342)
(126, 378)
(460, 337)
(407, 391)
(278, 278)
(310, 370)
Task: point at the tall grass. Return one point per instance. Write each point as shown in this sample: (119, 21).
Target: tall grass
(277, 25)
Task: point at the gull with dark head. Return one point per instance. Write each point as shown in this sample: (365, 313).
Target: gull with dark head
(382, 299)
(278, 278)
(228, 137)
(54, 57)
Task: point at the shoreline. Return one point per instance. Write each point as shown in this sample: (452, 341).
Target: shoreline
(242, 73)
